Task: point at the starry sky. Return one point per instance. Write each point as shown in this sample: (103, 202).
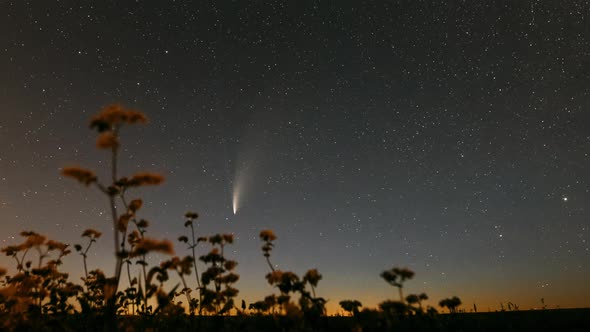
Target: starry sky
(448, 137)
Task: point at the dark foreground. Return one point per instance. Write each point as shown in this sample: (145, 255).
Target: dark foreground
(538, 320)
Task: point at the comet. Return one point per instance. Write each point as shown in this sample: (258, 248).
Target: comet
(237, 193)
(235, 200)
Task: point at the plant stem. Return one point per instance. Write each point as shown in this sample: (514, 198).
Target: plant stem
(119, 260)
(186, 293)
(269, 264)
(195, 266)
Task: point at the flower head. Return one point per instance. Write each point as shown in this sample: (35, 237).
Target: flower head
(82, 175)
(115, 115)
(146, 245)
(135, 205)
(267, 235)
(142, 179)
(52, 245)
(191, 215)
(91, 233)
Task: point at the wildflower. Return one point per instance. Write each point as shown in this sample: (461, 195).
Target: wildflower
(146, 245)
(186, 264)
(170, 264)
(34, 240)
(142, 179)
(216, 239)
(114, 115)
(134, 116)
(230, 265)
(183, 239)
(228, 238)
(52, 245)
(91, 233)
(267, 235)
(135, 205)
(107, 140)
(123, 221)
(142, 223)
(274, 277)
(11, 250)
(82, 175)
(191, 215)
(313, 277)
(212, 257)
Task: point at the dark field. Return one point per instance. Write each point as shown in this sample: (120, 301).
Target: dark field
(533, 320)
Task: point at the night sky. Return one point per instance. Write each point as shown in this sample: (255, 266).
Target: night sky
(452, 138)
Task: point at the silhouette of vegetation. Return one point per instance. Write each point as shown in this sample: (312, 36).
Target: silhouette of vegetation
(451, 303)
(219, 299)
(396, 277)
(38, 297)
(351, 306)
(310, 307)
(414, 299)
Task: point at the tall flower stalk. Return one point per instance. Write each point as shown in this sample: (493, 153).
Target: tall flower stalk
(108, 123)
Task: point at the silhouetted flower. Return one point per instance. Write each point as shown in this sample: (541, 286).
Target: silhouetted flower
(268, 235)
(142, 179)
(135, 205)
(113, 115)
(82, 175)
(34, 239)
(123, 222)
(313, 277)
(183, 238)
(191, 215)
(216, 239)
(142, 223)
(212, 257)
(91, 233)
(136, 117)
(230, 265)
(451, 303)
(52, 244)
(396, 277)
(228, 238)
(145, 245)
(351, 306)
(394, 307)
(170, 264)
(286, 281)
(11, 250)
